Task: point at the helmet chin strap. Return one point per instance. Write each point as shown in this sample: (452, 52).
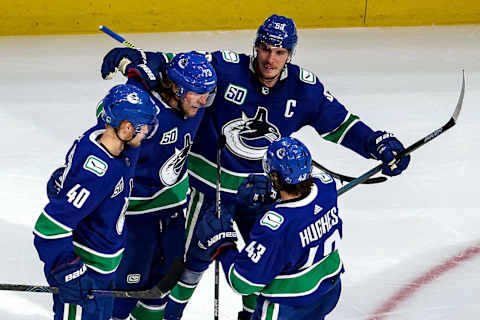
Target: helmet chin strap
(124, 141)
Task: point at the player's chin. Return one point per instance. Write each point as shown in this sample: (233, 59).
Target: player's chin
(270, 74)
(192, 112)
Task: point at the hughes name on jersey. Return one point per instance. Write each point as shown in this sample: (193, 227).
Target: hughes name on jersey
(251, 116)
(86, 218)
(161, 180)
(292, 252)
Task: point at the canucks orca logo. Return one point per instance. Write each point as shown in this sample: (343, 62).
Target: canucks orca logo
(249, 138)
(172, 168)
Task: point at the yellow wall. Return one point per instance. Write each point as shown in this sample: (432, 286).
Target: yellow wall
(422, 12)
(19, 17)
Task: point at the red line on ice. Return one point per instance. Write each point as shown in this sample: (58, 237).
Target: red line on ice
(425, 278)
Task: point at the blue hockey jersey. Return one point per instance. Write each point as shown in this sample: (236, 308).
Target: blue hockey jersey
(86, 218)
(161, 181)
(251, 116)
(293, 249)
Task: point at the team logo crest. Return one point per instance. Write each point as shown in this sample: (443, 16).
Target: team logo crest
(172, 168)
(249, 138)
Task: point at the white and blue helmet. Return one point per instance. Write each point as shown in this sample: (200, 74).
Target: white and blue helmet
(127, 102)
(290, 159)
(278, 31)
(191, 71)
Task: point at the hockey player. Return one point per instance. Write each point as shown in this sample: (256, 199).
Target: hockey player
(260, 99)
(79, 235)
(291, 260)
(155, 219)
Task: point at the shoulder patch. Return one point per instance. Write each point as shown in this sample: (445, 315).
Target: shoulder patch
(235, 94)
(272, 220)
(307, 76)
(230, 56)
(170, 136)
(95, 165)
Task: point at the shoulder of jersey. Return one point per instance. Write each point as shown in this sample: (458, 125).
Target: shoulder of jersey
(91, 156)
(229, 59)
(326, 185)
(302, 76)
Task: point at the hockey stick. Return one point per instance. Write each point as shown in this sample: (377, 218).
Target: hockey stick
(216, 299)
(159, 291)
(416, 145)
(344, 178)
(341, 177)
(117, 37)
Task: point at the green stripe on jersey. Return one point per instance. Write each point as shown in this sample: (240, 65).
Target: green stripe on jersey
(206, 171)
(48, 228)
(306, 281)
(100, 262)
(250, 302)
(242, 285)
(166, 198)
(338, 134)
(182, 292)
(145, 312)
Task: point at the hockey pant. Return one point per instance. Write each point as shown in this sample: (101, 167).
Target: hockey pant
(100, 308)
(153, 241)
(267, 310)
(183, 290)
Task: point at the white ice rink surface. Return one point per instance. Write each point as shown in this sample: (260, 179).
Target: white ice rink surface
(411, 246)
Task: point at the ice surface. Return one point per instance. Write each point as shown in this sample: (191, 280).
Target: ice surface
(398, 235)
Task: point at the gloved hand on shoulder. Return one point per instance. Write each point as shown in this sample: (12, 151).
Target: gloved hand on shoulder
(147, 66)
(384, 146)
(73, 282)
(255, 193)
(119, 59)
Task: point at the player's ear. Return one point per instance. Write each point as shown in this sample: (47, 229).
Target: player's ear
(125, 128)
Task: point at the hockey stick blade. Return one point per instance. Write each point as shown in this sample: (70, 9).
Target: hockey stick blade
(416, 145)
(159, 291)
(344, 178)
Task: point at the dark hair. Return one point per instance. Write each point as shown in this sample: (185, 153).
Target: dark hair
(302, 188)
(165, 88)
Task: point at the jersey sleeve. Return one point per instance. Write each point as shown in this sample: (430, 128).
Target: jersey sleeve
(262, 259)
(81, 193)
(336, 124)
